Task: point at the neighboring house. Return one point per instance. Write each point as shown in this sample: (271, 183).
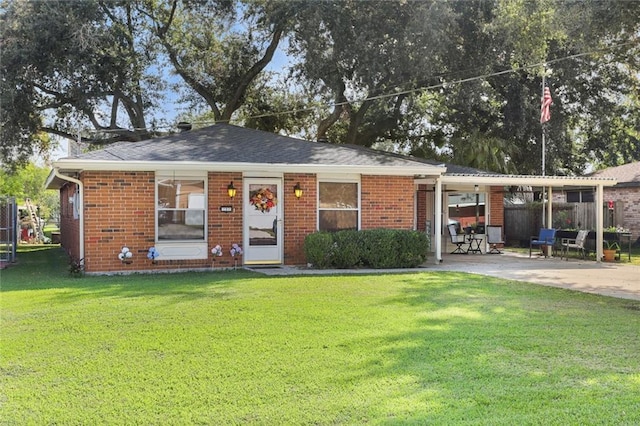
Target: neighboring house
(625, 195)
(621, 202)
(222, 185)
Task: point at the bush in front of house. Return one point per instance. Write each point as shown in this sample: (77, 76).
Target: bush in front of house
(372, 248)
(346, 253)
(318, 248)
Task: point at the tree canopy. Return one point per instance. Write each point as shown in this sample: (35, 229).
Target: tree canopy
(457, 81)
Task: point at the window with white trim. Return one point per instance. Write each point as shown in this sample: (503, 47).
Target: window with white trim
(181, 208)
(338, 205)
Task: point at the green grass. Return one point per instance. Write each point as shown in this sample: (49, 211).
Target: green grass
(239, 348)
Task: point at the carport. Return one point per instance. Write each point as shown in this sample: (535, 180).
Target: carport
(485, 182)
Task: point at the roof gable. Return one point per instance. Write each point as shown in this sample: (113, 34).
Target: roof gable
(626, 175)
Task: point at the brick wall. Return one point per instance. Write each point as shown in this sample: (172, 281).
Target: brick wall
(224, 229)
(631, 211)
(119, 211)
(421, 207)
(300, 215)
(496, 202)
(387, 202)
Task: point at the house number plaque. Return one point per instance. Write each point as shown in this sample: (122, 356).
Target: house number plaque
(226, 209)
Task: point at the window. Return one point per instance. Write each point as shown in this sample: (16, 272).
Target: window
(181, 207)
(467, 211)
(580, 196)
(338, 206)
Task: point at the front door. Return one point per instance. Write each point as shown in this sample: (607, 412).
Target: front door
(262, 221)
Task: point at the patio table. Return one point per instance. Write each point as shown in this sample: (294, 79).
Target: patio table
(474, 243)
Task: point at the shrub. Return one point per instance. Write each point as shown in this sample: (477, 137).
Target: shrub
(317, 248)
(375, 248)
(380, 248)
(412, 248)
(346, 253)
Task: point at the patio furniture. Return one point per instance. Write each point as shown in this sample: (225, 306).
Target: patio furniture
(546, 238)
(576, 243)
(474, 243)
(458, 239)
(494, 237)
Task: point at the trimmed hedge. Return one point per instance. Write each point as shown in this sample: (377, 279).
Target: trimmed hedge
(373, 248)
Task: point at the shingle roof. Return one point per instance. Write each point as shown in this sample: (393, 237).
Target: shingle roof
(626, 175)
(225, 143)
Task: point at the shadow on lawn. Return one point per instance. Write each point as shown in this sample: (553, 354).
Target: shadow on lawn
(488, 348)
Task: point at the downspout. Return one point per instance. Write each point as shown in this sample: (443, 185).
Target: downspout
(57, 173)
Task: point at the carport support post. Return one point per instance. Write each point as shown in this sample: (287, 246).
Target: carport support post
(437, 226)
(549, 214)
(599, 221)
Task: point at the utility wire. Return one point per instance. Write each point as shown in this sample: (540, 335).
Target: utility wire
(417, 89)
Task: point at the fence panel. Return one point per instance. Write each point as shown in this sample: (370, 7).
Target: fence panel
(523, 221)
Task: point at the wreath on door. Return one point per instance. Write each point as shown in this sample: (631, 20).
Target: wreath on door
(263, 199)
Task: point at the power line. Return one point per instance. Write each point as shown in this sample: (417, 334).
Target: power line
(418, 89)
(449, 83)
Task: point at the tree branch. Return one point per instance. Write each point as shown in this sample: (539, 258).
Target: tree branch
(238, 95)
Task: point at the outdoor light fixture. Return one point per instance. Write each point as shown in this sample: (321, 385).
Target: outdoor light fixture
(297, 190)
(476, 188)
(231, 190)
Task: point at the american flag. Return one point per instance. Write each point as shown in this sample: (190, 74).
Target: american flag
(545, 112)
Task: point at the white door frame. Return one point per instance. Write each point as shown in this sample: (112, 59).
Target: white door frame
(265, 245)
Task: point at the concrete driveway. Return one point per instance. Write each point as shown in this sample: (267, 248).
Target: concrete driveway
(608, 279)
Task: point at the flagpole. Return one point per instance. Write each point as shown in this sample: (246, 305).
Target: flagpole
(543, 153)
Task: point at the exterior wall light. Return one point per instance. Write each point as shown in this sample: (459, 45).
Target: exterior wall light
(297, 190)
(231, 190)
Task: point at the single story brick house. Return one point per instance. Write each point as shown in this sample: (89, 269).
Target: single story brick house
(185, 194)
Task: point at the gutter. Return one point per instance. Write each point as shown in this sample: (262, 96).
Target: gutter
(401, 169)
(57, 173)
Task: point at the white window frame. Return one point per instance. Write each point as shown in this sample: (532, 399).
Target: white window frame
(182, 249)
(349, 178)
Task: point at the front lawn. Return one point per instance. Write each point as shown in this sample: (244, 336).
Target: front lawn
(239, 348)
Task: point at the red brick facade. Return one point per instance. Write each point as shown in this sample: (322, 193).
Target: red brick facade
(387, 202)
(300, 215)
(119, 210)
(496, 203)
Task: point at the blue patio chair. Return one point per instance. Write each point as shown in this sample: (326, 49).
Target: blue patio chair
(547, 237)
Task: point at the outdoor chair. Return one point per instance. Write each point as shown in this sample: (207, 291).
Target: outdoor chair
(546, 238)
(576, 243)
(494, 237)
(458, 239)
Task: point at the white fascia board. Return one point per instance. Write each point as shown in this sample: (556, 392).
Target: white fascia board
(94, 165)
(508, 180)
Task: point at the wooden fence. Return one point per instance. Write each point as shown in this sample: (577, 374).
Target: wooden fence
(523, 221)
